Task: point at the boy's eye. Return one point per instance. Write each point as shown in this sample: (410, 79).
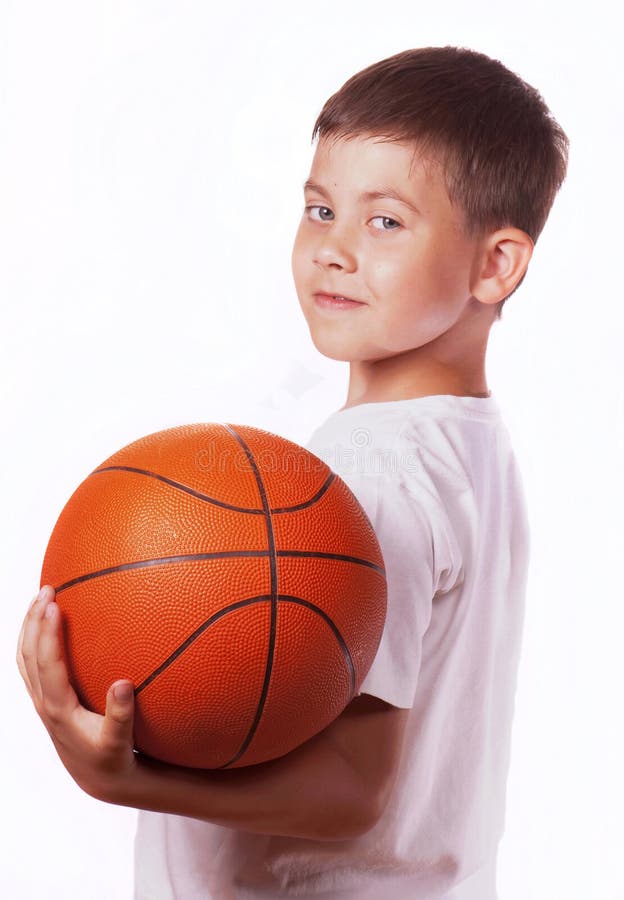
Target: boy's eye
(386, 219)
(323, 210)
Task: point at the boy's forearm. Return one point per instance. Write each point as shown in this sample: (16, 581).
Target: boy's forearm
(310, 793)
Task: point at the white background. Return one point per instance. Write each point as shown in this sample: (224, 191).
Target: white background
(151, 162)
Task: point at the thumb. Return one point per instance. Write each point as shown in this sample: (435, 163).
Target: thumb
(119, 715)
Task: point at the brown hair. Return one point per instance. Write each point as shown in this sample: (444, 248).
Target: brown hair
(503, 155)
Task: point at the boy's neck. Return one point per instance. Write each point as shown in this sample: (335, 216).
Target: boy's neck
(412, 374)
(452, 363)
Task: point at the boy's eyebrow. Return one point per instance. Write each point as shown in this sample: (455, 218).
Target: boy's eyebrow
(366, 195)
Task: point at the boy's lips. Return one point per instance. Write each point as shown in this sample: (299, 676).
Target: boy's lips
(326, 298)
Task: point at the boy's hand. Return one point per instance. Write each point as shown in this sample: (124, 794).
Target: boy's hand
(332, 787)
(97, 751)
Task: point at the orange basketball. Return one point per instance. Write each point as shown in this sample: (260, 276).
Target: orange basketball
(232, 577)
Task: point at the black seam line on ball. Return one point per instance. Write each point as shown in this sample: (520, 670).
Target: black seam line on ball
(201, 557)
(159, 561)
(273, 570)
(250, 601)
(213, 500)
(306, 503)
(178, 486)
(318, 554)
(282, 598)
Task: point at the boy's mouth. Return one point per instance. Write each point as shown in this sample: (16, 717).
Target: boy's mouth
(336, 300)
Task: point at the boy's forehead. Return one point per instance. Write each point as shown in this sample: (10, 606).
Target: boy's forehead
(371, 155)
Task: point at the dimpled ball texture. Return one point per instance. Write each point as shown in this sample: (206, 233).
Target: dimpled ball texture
(233, 577)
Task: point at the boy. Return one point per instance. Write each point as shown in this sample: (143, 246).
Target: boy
(433, 176)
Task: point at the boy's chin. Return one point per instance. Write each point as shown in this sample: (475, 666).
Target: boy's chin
(351, 353)
(340, 353)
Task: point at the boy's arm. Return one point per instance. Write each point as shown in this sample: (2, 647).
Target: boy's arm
(333, 787)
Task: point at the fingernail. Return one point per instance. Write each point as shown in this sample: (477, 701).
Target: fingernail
(123, 692)
(38, 596)
(50, 610)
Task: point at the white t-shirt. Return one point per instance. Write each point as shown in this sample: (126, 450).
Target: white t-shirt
(438, 479)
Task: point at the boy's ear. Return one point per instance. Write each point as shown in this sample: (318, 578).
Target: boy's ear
(499, 264)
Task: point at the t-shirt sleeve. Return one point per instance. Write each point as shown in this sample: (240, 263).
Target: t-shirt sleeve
(403, 519)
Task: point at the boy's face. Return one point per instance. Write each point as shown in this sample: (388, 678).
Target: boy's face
(409, 267)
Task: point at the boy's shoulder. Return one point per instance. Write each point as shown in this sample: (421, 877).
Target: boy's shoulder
(430, 463)
(406, 437)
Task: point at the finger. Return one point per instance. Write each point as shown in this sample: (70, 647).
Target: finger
(58, 696)
(21, 665)
(119, 716)
(19, 657)
(30, 641)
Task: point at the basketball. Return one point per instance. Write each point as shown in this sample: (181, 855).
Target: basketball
(233, 577)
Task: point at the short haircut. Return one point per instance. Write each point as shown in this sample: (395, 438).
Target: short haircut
(503, 155)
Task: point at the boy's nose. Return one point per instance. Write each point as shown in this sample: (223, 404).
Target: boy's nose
(336, 249)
